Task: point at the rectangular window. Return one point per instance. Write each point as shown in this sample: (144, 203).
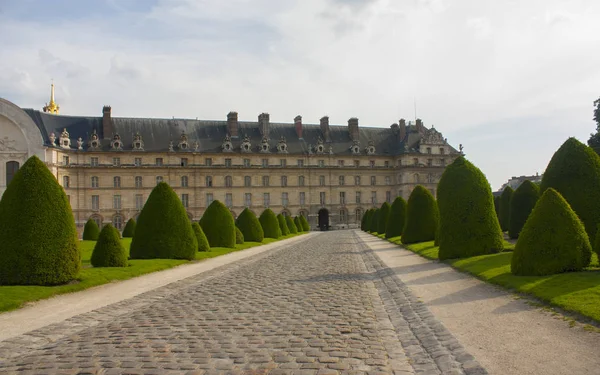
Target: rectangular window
(322, 198)
(209, 199)
(416, 161)
(388, 180)
(372, 163)
(116, 162)
(321, 180)
(283, 181)
(374, 197)
(283, 163)
(442, 150)
(229, 200)
(95, 182)
(373, 180)
(95, 202)
(300, 180)
(265, 163)
(247, 181)
(357, 163)
(341, 180)
(342, 197)
(116, 182)
(65, 160)
(208, 162)
(159, 161)
(159, 179)
(209, 181)
(284, 199)
(137, 162)
(321, 163)
(94, 162)
(247, 163)
(228, 163)
(357, 180)
(302, 198)
(65, 181)
(386, 164)
(301, 162)
(139, 201)
(265, 180)
(429, 162)
(266, 199)
(184, 181)
(358, 197)
(185, 200)
(138, 181)
(341, 163)
(429, 150)
(117, 202)
(184, 162)
(228, 181)
(388, 196)
(443, 162)
(248, 199)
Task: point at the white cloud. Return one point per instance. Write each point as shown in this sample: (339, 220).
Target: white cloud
(481, 26)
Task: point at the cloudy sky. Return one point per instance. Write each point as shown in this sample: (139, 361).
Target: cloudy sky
(510, 80)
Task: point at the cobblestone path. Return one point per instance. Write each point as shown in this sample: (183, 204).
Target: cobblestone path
(325, 305)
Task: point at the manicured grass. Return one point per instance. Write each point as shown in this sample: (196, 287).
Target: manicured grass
(13, 297)
(578, 292)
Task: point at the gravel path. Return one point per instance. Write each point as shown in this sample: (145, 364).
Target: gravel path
(326, 305)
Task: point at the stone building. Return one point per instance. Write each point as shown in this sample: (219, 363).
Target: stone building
(329, 173)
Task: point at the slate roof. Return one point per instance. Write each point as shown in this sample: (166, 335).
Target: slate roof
(156, 134)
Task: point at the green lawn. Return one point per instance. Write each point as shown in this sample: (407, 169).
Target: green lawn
(578, 292)
(13, 297)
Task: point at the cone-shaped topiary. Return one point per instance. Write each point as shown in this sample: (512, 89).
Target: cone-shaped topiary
(597, 242)
(283, 225)
(397, 218)
(218, 225)
(384, 216)
(522, 202)
(497, 200)
(298, 224)
(374, 221)
(468, 222)
(305, 225)
(203, 244)
(91, 231)
(505, 207)
(290, 224)
(368, 219)
(163, 229)
(270, 224)
(250, 226)
(574, 171)
(38, 237)
(109, 251)
(553, 239)
(239, 236)
(129, 228)
(422, 217)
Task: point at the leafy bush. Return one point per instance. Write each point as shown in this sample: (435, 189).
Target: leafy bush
(368, 219)
(290, 224)
(574, 171)
(163, 230)
(250, 226)
(374, 221)
(270, 224)
(521, 204)
(129, 228)
(239, 236)
(203, 244)
(397, 218)
(91, 231)
(468, 222)
(109, 251)
(38, 237)
(384, 216)
(497, 200)
(283, 225)
(505, 207)
(305, 225)
(218, 225)
(298, 224)
(553, 239)
(597, 242)
(421, 217)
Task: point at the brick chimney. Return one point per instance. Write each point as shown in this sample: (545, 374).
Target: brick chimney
(395, 129)
(325, 128)
(263, 124)
(232, 124)
(107, 123)
(298, 123)
(402, 124)
(420, 127)
(353, 128)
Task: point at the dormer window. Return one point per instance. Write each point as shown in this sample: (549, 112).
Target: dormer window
(320, 148)
(116, 143)
(183, 142)
(227, 146)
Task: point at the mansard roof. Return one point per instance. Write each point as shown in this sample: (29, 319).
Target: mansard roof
(157, 133)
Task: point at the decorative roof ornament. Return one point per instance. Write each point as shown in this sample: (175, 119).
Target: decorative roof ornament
(138, 143)
(246, 145)
(116, 144)
(227, 146)
(460, 148)
(52, 138)
(196, 146)
(171, 146)
(330, 149)
(282, 145)
(355, 148)
(79, 143)
(183, 142)
(433, 137)
(94, 143)
(64, 140)
(370, 149)
(51, 107)
(264, 147)
(320, 148)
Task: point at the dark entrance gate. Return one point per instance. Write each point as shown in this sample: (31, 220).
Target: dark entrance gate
(323, 219)
(11, 168)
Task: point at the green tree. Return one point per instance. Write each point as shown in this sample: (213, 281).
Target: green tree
(283, 225)
(384, 216)
(129, 230)
(91, 230)
(270, 224)
(505, 207)
(468, 222)
(250, 226)
(422, 217)
(290, 224)
(574, 171)
(497, 200)
(397, 218)
(374, 221)
(552, 241)
(38, 237)
(305, 225)
(218, 225)
(239, 236)
(298, 224)
(109, 251)
(163, 229)
(594, 141)
(521, 204)
(203, 244)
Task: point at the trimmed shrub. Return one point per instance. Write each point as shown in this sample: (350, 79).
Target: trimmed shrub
(218, 225)
(397, 218)
(163, 229)
(38, 237)
(574, 171)
(521, 204)
(552, 241)
(368, 219)
(305, 225)
(239, 236)
(283, 225)
(203, 244)
(422, 217)
(468, 222)
(384, 216)
(250, 226)
(374, 221)
(129, 229)
(290, 224)
(298, 224)
(270, 224)
(362, 220)
(505, 207)
(109, 251)
(91, 231)
(497, 200)
(597, 242)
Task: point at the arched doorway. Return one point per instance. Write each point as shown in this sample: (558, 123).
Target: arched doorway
(11, 168)
(323, 219)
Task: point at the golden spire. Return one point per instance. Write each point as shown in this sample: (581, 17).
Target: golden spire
(51, 107)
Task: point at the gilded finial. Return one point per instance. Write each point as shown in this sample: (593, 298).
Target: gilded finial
(51, 107)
